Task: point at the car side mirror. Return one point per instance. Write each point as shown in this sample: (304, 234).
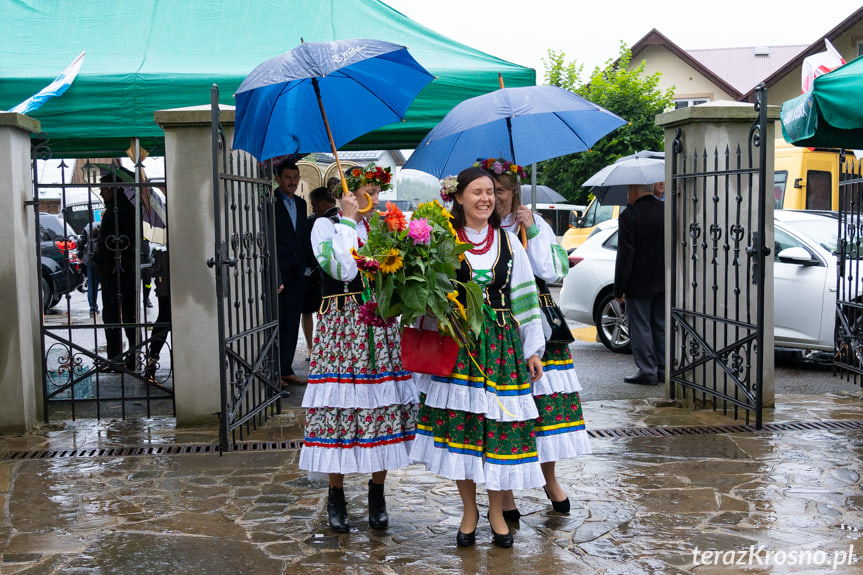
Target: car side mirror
(797, 255)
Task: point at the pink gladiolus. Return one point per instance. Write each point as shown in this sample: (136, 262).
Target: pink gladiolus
(420, 231)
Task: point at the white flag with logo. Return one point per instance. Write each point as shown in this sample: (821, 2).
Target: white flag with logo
(820, 63)
(60, 84)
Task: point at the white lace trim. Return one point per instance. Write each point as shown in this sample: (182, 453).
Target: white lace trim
(563, 446)
(317, 460)
(456, 466)
(360, 395)
(475, 400)
(557, 381)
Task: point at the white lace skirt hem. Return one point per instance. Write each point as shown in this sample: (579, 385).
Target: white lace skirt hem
(320, 460)
(456, 466)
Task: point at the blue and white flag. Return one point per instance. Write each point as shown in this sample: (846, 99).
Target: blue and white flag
(60, 84)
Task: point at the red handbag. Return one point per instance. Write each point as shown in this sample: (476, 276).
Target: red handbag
(429, 352)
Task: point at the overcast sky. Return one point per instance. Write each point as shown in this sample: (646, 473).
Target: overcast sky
(590, 31)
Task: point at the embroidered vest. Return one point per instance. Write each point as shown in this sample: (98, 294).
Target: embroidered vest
(497, 290)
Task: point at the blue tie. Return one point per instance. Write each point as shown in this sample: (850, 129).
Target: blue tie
(292, 209)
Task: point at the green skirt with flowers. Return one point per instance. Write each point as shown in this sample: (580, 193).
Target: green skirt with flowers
(478, 422)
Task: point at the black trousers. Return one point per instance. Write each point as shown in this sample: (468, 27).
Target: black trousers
(290, 311)
(160, 332)
(118, 306)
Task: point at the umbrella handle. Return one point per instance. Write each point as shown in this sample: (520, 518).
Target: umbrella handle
(523, 233)
(317, 88)
(369, 207)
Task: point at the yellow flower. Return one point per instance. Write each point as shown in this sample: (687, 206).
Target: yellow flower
(453, 297)
(392, 262)
(453, 232)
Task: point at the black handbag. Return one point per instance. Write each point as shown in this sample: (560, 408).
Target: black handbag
(554, 326)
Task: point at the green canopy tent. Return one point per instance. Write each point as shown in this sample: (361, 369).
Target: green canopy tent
(148, 55)
(830, 114)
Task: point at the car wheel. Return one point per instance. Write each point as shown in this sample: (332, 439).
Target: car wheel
(611, 324)
(47, 294)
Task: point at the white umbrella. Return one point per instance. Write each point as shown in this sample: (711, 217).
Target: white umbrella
(631, 171)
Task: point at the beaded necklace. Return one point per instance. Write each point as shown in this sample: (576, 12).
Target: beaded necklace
(483, 246)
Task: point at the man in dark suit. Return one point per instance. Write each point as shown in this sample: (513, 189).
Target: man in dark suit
(292, 240)
(639, 279)
(115, 263)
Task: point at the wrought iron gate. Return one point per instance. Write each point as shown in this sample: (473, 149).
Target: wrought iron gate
(718, 205)
(848, 341)
(244, 263)
(87, 369)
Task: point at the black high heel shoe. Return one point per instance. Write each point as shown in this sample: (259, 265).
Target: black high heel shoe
(504, 541)
(511, 515)
(559, 506)
(467, 539)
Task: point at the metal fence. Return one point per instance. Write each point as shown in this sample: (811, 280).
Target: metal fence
(99, 330)
(718, 204)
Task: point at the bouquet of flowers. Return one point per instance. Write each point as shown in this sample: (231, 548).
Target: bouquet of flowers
(412, 265)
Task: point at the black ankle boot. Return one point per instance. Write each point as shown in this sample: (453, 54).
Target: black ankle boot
(378, 518)
(337, 509)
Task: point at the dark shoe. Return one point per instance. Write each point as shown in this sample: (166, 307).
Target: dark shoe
(504, 541)
(150, 373)
(511, 515)
(639, 379)
(292, 380)
(465, 539)
(559, 506)
(337, 510)
(378, 518)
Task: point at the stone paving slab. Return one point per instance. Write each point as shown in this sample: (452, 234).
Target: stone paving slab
(639, 504)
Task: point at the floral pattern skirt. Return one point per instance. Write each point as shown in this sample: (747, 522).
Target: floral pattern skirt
(360, 404)
(478, 422)
(560, 430)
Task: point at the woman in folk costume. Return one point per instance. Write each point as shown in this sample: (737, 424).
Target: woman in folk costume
(476, 425)
(560, 430)
(360, 403)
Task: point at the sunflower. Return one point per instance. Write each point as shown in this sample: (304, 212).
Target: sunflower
(392, 262)
(453, 297)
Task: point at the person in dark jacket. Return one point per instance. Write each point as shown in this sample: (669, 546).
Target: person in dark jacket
(292, 241)
(115, 264)
(161, 277)
(639, 280)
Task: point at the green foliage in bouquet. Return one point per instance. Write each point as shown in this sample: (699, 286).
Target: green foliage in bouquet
(413, 265)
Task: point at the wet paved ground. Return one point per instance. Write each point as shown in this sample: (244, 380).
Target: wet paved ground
(639, 504)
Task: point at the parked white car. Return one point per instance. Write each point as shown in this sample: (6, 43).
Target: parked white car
(804, 276)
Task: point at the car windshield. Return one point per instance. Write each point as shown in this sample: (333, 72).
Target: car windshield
(821, 231)
(51, 222)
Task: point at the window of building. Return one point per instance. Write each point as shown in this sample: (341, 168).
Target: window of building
(687, 102)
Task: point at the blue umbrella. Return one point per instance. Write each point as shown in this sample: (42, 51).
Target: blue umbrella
(321, 95)
(524, 125)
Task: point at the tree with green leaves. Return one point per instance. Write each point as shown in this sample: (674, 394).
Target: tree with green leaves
(630, 94)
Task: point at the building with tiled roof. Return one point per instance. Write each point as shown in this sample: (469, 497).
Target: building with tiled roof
(699, 76)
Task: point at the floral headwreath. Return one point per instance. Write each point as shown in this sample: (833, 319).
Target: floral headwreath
(499, 166)
(371, 174)
(448, 186)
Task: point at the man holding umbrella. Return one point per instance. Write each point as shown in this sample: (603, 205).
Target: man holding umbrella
(639, 279)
